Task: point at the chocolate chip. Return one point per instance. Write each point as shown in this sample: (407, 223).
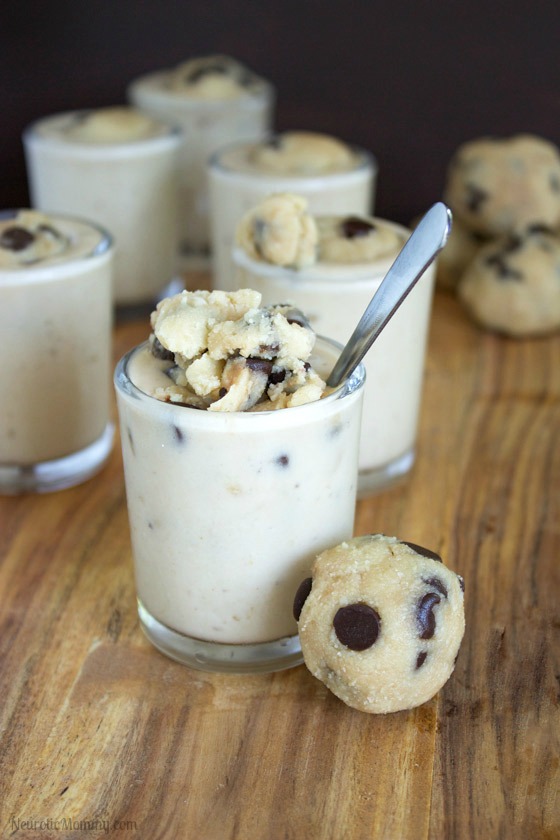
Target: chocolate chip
(353, 227)
(277, 376)
(283, 460)
(425, 552)
(16, 238)
(438, 584)
(269, 350)
(425, 616)
(475, 197)
(222, 392)
(161, 352)
(502, 269)
(212, 67)
(259, 365)
(357, 626)
(301, 596)
(295, 316)
(421, 658)
(179, 435)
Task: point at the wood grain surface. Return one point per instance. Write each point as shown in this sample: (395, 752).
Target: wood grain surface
(102, 735)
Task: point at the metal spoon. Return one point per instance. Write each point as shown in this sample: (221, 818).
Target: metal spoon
(426, 241)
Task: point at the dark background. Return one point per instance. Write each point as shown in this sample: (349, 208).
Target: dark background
(408, 80)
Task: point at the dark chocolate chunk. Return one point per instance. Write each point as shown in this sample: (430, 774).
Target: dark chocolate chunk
(161, 352)
(277, 376)
(353, 227)
(283, 460)
(269, 350)
(259, 365)
(357, 626)
(301, 596)
(295, 316)
(438, 584)
(421, 658)
(179, 435)
(504, 272)
(475, 197)
(425, 615)
(222, 392)
(425, 552)
(16, 238)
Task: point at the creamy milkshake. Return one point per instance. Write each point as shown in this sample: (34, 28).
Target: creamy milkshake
(240, 467)
(332, 274)
(55, 354)
(333, 177)
(215, 100)
(118, 168)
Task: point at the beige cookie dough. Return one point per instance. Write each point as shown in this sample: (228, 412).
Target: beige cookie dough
(513, 285)
(356, 239)
(212, 77)
(303, 153)
(279, 231)
(29, 238)
(228, 353)
(380, 622)
(497, 186)
(112, 125)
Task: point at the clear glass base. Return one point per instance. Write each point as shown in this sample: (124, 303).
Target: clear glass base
(382, 478)
(258, 658)
(60, 473)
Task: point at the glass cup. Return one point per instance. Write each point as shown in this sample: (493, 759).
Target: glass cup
(227, 512)
(334, 298)
(236, 186)
(206, 125)
(128, 187)
(55, 364)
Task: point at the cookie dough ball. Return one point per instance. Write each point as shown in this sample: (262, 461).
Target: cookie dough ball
(496, 186)
(279, 231)
(381, 622)
(356, 239)
(513, 285)
(303, 153)
(460, 249)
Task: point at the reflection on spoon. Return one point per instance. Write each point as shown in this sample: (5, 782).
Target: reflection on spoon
(419, 251)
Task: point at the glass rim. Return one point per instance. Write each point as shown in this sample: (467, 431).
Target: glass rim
(352, 385)
(367, 163)
(172, 138)
(147, 85)
(63, 264)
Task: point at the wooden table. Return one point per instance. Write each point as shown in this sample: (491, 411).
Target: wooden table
(100, 731)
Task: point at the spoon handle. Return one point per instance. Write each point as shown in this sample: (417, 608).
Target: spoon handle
(425, 242)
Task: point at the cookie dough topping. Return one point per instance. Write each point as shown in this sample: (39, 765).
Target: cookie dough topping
(303, 153)
(29, 238)
(222, 351)
(380, 621)
(212, 77)
(279, 231)
(112, 125)
(356, 239)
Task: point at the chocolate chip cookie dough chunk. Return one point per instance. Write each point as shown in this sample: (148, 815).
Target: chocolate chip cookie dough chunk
(380, 622)
(496, 186)
(513, 285)
(29, 238)
(279, 231)
(356, 239)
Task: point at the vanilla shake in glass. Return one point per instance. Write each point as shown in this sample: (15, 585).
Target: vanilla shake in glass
(55, 353)
(333, 177)
(117, 167)
(240, 467)
(216, 100)
(339, 266)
